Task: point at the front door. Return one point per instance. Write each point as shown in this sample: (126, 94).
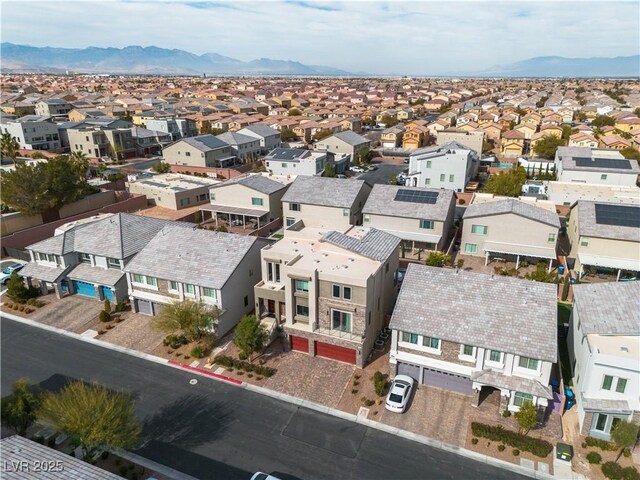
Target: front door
(271, 307)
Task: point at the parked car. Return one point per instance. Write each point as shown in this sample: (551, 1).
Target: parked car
(406, 161)
(399, 394)
(357, 169)
(6, 273)
(372, 168)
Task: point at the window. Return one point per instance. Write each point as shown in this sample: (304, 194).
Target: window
(427, 181)
(113, 263)
(428, 163)
(528, 363)
(302, 310)
(427, 224)
(621, 385)
(601, 422)
(246, 300)
(256, 201)
(294, 207)
(584, 242)
(137, 278)
(208, 292)
(52, 258)
(479, 229)
(85, 258)
(341, 321)
(470, 248)
(451, 178)
(606, 382)
(410, 337)
(173, 285)
(212, 196)
(290, 221)
(520, 398)
(467, 350)
(188, 154)
(603, 176)
(345, 212)
(153, 281)
(346, 293)
(302, 285)
(495, 356)
(552, 237)
(189, 289)
(366, 218)
(284, 165)
(336, 291)
(442, 177)
(431, 342)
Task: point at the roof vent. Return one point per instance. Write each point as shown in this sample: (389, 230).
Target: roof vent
(624, 349)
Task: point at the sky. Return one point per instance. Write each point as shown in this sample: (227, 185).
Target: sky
(376, 37)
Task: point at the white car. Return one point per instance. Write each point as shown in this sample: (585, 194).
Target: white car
(6, 273)
(263, 476)
(357, 169)
(399, 394)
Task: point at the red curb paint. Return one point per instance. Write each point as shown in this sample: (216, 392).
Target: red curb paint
(204, 372)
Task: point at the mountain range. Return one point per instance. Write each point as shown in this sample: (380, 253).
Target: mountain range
(161, 61)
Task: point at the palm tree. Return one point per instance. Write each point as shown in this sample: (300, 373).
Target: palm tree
(9, 146)
(80, 163)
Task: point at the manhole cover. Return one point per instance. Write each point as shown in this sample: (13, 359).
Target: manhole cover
(193, 381)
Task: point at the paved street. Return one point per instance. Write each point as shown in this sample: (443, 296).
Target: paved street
(213, 430)
(382, 174)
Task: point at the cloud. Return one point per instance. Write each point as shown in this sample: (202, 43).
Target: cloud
(426, 37)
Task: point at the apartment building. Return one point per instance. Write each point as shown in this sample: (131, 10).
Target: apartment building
(330, 291)
(604, 347)
(595, 166)
(449, 166)
(484, 335)
(33, 132)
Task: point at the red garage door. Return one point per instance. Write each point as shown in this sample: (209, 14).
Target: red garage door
(300, 344)
(335, 353)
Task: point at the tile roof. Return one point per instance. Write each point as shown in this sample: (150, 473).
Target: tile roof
(235, 138)
(205, 143)
(512, 205)
(351, 137)
(373, 243)
(589, 227)
(381, 201)
(199, 257)
(501, 313)
(605, 405)
(330, 192)
(41, 272)
(608, 308)
(515, 383)
(98, 275)
(259, 183)
(261, 129)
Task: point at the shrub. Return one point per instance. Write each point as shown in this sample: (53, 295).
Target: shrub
(243, 356)
(354, 391)
(380, 384)
(356, 383)
(101, 332)
(515, 452)
(197, 352)
(21, 308)
(538, 447)
(107, 305)
(121, 306)
(506, 413)
(8, 304)
(175, 341)
(461, 201)
(109, 327)
(368, 402)
(34, 302)
(104, 316)
(594, 458)
(474, 441)
(612, 471)
(630, 473)
(229, 362)
(501, 448)
(626, 452)
(601, 444)
(240, 372)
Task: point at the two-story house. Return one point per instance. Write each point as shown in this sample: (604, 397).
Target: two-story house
(481, 335)
(200, 151)
(595, 166)
(449, 166)
(347, 142)
(604, 237)
(246, 148)
(421, 217)
(604, 348)
(519, 228)
(88, 257)
(295, 161)
(325, 202)
(268, 137)
(33, 132)
(180, 263)
(331, 291)
(177, 128)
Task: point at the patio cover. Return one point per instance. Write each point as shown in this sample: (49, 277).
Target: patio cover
(609, 262)
(605, 405)
(522, 250)
(247, 212)
(517, 384)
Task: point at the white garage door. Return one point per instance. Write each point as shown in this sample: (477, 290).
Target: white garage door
(448, 381)
(412, 371)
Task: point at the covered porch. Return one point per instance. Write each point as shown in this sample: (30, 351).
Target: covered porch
(514, 391)
(270, 302)
(47, 278)
(601, 415)
(234, 217)
(97, 282)
(597, 265)
(504, 251)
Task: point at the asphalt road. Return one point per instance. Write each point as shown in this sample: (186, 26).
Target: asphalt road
(382, 174)
(212, 430)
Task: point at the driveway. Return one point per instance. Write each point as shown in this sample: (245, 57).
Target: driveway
(134, 332)
(382, 174)
(436, 413)
(74, 313)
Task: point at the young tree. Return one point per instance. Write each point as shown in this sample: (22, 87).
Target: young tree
(18, 410)
(631, 153)
(250, 336)
(294, 112)
(16, 289)
(546, 147)
(527, 417)
(541, 275)
(603, 121)
(9, 146)
(624, 434)
(192, 319)
(364, 155)
(92, 416)
(322, 134)
(508, 183)
(161, 167)
(437, 259)
(329, 170)
(288, 135)
(393, 180)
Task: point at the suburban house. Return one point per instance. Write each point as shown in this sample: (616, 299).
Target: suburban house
(473, 140)
(87, 257)
(482, 335)
(295, 161)
(54, 107)
(512, 143)
(330, 291)
(149, 142)
(604, 237)
(268, 137)
(523, 228)
(33, 132)
(568, 193)
(347, 142)
(99, 142)
(244, 147)
(604, 347)
(248, 200)
(421, 217)
(325, 202)
(392, 137)
(595, 166)
(173, 190)
(177, 128)
(449, 166)
(180, 263)
(200, 151)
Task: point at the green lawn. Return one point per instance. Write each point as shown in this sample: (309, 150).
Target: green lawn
(564, 312)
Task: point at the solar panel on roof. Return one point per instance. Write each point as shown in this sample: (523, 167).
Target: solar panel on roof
(620, 163)
(416, 196)
(619, 215)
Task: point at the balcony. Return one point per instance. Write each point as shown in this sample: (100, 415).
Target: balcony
(340, 334)
(269, 291)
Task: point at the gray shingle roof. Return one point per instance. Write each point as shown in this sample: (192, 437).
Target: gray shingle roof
(199, 257)
(518, 384)
(205, 143)
(501, 313)
(374, 244)
(351, 137)
(605, 405)
(16, 449)
(58, 244)
(589, 227)
(41, 272)
(330, 192)
(259, 183)
(512, 205)
(260, 129)
(608, 308)
(381, 201)
(98, 275)
(235, 138)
